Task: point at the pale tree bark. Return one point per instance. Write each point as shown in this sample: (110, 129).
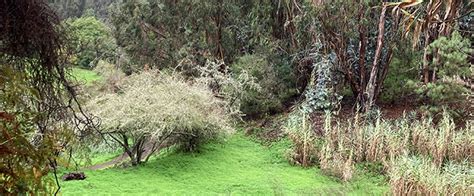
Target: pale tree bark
(371, 84)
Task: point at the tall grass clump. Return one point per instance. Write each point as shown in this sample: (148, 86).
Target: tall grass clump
(382, 140)
(336, 155)
(358, 140)
(443, 142)
(151, 109)
(300, 131)
(413, 175)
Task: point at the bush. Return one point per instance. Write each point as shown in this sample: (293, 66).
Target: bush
(269, 98)
(231, 87)
(451, 70)
(112, 76)
(154, 109)
(91, 41)
(402, 70)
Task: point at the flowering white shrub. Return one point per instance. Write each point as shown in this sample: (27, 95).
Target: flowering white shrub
(152, 108)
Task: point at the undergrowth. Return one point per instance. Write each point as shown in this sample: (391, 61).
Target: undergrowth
(419, 176)
(444, 150)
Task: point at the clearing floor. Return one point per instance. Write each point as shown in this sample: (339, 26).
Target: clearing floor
(236, 166)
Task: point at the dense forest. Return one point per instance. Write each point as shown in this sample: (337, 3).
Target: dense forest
(246, 97)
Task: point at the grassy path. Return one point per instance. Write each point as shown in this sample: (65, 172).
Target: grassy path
(238, 166)
(84, 75)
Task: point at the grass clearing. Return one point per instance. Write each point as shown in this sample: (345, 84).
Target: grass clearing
(237, 166)
(84, 75)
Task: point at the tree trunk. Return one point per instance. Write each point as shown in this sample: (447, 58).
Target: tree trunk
(360, 99)
(81, 7)
(220, 48)
(426, 60)
(372, 83)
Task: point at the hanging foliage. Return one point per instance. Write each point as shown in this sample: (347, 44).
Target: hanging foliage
(38, 106)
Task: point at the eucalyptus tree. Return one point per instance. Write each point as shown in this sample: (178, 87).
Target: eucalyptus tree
(77, 8)
(160, 33)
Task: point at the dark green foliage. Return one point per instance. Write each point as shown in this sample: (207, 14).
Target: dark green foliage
(453, 53)
(161, 33)
(403, 68)
(321, 94)
(362, 37)
(78, 8)
(450, 81)
(267, 99)
(184, 35)
(91, 41)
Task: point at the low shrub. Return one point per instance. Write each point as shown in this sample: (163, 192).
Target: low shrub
(154, 109)
(267, 99)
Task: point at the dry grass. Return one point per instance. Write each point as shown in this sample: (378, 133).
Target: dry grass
(445, 150)
(421, 176)
(336, 155)
(443, 142)
(382, 141)
(300, 131)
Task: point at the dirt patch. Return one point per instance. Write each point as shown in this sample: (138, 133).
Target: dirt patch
(268, 129)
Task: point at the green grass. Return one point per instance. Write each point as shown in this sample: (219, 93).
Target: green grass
(85, 76)
(238, 166)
